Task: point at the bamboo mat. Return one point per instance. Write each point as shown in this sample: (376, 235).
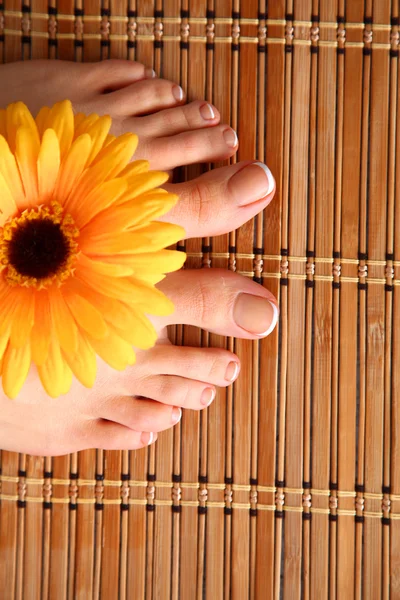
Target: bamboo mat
(289, 485)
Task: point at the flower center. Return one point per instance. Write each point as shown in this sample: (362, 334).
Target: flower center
(38, 247)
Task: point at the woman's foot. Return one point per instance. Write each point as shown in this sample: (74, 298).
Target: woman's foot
(171, 132)
(166, 378)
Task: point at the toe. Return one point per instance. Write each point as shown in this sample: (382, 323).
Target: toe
(141, 413)
(221, 200)
(221, 302)
(144, 97)
(202, 145)
(111, 435)
(196, 115)
(209, 365)
(114, 74)
(176, 391)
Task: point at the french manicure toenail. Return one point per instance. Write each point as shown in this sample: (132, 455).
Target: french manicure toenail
(206, 111)
(255, 314)
(176, 415)
(230, 137)
(177, 92)
(150, 73)
(207, 396)
(252, 183)
(232, 371)
(147, 438)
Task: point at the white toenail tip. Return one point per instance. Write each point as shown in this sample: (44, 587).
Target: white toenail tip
(270, 177)
(151, 438)
(212, 113)
(273, 323)
(153, 73)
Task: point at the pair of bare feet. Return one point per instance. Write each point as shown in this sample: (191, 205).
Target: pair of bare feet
(126, 410)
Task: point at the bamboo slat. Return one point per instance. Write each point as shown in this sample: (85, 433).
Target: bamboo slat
(288, 486)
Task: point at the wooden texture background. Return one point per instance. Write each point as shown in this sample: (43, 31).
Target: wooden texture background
(289, 485)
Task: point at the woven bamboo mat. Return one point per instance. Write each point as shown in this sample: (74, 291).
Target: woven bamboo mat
(289, 485)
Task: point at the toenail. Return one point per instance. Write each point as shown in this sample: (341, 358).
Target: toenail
(232, 371)
(252, 183)
(177, 93)
(150, 73)
(255, 314)
(207, 396)
(207, 112)
(230, 137)
(147, 438)
(176, 415)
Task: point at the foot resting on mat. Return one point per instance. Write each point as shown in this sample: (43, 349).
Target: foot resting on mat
(126, 410)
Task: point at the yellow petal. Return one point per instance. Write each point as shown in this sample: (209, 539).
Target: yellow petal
(3, 122)
(142, 183)
(48, 165)
(87, 317)
(41, 331)
(72, 167)
(106, 269)
(79, 118)
(18, 115)
(129, 290)
(139, 333)
(23, 318)
(27, 151)
(10, 172)
(118, 154)
(4, 339)
(100, 198)
(8, 306)
(115, 351)
(85, 124)
(16, 365)
(41, 118)
(135, 168)
(109, 139)
(63, 322)
(151, 238)
(131, 214)
(98, 132)
(83, 363)
(61, 120)
(163, 261)
(7, 205)
(55, 374)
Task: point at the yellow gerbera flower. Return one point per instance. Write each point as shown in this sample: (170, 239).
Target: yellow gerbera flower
(80, 247)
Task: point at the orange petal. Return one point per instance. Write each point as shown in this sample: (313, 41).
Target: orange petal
(8, 207)
(139, 333)
(106, 269)
(72, 167)
(41, 331)
(100, 198)
(142, 183)
(8, 306)
(135, 213)
(163, 261)
(98, 132)
(48, 165)
(41, 118)
(55, 374)
(83, 363)
(10, 172)
(87, 317)
(119, 153)
(23, 318)
(4, 339)
(63, 322)
(3, 123)
(115, 351)
(83, 123)
(16, 365)
(61, 120)
(151, 238)
(135, 168)
(26, 153)
(18, 115)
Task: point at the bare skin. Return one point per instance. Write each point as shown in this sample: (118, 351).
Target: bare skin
(126, 410)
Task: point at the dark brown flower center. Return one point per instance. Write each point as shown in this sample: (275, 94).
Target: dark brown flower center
(38, 248)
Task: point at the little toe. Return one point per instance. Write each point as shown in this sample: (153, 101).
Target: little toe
(202, 145)
(176, 391)
(144, 97)
(110, 435)
(196, 115)
(141, 413)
